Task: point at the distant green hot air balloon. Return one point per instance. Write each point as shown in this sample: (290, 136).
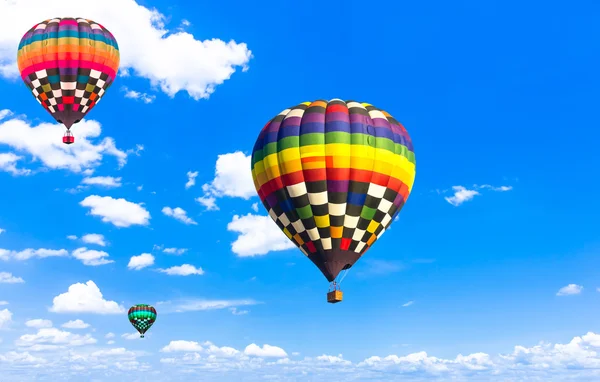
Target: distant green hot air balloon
(142, 317)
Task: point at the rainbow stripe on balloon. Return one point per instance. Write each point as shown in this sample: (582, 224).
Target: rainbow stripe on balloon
(333, 175)
(68, 64)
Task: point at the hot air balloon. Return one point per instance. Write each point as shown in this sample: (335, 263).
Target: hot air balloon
(142, 317)
(68, 64)
(333, 175)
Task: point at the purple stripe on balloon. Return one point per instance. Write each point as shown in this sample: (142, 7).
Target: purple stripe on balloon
(399, 200)
(313, 117)
(380, 122)
(337, 116)
(359, 118)
(337, 185)
(291, 121)
(271, 199)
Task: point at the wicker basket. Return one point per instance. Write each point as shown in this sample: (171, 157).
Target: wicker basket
(334, 296)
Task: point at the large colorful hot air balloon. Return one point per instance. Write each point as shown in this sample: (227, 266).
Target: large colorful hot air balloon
(333, 175)
(68, 64)
(142, 317)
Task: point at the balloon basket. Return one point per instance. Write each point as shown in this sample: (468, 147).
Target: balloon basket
(334, 296)
(68, 138)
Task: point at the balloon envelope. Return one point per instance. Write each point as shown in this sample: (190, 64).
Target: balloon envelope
(142, 317)
(68, 64)
(333, 175)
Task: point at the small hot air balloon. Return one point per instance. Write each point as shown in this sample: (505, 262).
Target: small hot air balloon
(142, 317)
(333, 175)
(68, 64)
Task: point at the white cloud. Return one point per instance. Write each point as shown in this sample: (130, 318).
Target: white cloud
(182, 346)
(210, 202)
(144, 97)
(258, 235)
(266, 351)
(237, 312)
(183, 270)
(191, 179)
(5, 318)
(76, 324)
(178, 214)
(175, 251)
(84, 298)
(119, 212)
(8, 278)
(461, 195)
(72, 237)
(130, 336)
(2, 231)
(569, 290)
(173, 61)
(110, 342)
(91, 257)
(408, 304)
(105, 181)
(39, 323)
(232, 178)
(8, 163)
(195, 305)
(52, 338)
(44, 144)
(109, 335)
(30, 253)
(255, 207)
(2, 303)
(142, 261)
(94, 238)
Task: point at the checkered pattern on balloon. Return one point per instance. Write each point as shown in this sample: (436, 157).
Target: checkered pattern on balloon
(68, 64)
(333, 175)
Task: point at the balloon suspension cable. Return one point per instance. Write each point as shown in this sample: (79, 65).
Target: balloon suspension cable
(343, 276)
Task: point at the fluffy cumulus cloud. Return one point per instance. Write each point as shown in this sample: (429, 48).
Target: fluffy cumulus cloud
(94, 238)
(38, 323)
(84, 298)
(577, 360)
(191, 179)
(5, 318)
(175, 251)
(8, 278)
(569, 290)
(172, 60)
(91, 257)
(139, 262)
(232, 178)
(105, 181)
(118, 212)
(180, 358)
(257, 235)
(48, 338)
(30, 253)
(178, 213)
(462, 194)
(138, 96)
(75, 324)
(41, 145)
(183, 270)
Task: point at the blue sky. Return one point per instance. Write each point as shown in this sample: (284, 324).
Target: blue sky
(495, 250)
